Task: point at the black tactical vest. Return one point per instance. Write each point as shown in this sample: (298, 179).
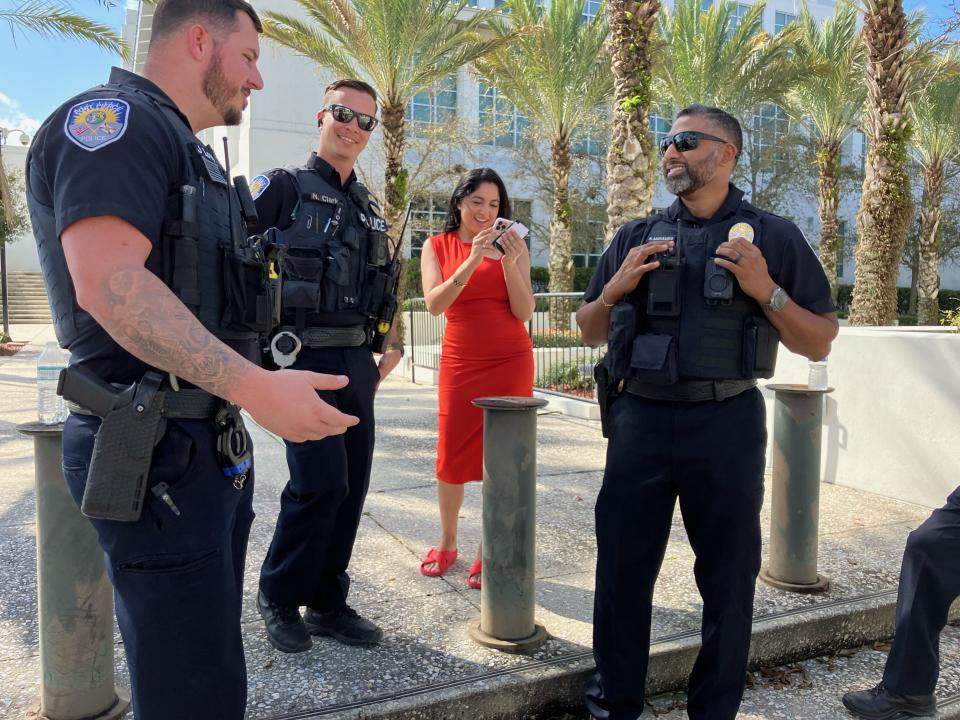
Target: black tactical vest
(203, 255)
(335, 258)
(675, 327)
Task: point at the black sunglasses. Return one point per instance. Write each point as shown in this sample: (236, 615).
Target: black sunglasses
(343, 114)
(687, 140)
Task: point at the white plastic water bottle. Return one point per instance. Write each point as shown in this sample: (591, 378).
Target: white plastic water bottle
(50, 406)
(817, 378)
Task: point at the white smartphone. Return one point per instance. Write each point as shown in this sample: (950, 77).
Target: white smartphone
(501, 225)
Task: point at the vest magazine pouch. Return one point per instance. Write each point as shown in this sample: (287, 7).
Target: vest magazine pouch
(623, 328)
(760, 344)
(375, 290)
(246, 286)
(300, 295)
(654, 359)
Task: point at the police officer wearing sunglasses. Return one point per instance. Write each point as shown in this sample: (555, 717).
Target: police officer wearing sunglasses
(337, 272)
(692, 304)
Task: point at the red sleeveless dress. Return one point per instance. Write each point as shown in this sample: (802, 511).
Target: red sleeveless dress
(486, 352)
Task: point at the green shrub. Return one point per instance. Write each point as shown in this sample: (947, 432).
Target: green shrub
(951, 317)
(414, 286)
(540, 278)
(567, 376)
(556, 339)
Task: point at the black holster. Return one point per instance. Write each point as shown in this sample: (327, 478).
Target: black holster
(602, 377)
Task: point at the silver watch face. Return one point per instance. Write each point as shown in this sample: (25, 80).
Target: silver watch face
(778, 300)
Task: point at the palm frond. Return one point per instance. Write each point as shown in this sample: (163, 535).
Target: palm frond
(50, 20)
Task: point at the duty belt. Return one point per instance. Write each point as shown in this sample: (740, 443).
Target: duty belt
(322, 337)
(193, 404)
(688, 390)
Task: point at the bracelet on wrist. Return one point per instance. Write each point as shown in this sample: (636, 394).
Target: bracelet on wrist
(458, 283)
(603, 300)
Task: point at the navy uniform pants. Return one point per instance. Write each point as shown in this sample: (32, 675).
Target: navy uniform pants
(321, 505)
(710, 455)
(929, 583)
(177, 579)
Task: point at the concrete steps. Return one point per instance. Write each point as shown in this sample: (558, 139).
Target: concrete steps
(28, 298)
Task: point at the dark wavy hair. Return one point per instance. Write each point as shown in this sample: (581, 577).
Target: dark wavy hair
(468, 183)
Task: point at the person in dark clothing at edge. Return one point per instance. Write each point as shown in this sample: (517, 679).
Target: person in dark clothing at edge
(691, 303)
(335, 258)
(929, 583)
(136, 231)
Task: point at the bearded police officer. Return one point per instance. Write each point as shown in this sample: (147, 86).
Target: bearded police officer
(338, 297)
(161, 300)
(692, 304)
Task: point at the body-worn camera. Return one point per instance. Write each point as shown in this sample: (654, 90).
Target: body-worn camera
(663, 290)
(717, 283)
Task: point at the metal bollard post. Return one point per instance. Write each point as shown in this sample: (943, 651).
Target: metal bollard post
(75, 598)
(795, 503)
(507, 597)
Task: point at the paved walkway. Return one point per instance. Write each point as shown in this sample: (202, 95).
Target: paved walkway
(427, 659)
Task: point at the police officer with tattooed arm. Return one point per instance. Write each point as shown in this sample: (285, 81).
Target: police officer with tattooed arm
(692, 304)
(163, 303)
(339, 274)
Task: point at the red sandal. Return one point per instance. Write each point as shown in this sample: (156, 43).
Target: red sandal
(443, 558)
(475, 575)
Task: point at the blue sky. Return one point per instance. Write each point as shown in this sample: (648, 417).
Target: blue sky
(39, 74)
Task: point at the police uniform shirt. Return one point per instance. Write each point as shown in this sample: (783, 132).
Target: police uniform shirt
(109, 152)
(791, 261)
(277, 199)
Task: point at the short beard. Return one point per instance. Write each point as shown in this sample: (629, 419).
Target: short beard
(693, 177)
(219, 93)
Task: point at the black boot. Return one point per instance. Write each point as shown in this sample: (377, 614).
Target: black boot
(879, 703)
(344, 625)
(285, 628)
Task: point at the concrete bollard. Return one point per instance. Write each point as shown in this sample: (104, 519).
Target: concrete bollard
(74, 596)
(795, 502)
(507, 599)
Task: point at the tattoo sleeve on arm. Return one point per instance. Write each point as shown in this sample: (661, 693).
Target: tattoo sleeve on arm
(150, 322)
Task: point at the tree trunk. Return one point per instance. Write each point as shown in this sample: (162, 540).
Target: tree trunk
(631, 160)
(828, 199)
(395, 189)
(886, 204)
(928, 270)
(561, 260)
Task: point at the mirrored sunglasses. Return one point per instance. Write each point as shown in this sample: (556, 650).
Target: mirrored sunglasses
(343, 114)
(687, 140)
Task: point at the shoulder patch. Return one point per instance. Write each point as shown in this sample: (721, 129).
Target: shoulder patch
(258, 185)
(94, 124)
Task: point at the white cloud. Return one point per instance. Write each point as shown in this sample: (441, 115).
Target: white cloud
(12, 116)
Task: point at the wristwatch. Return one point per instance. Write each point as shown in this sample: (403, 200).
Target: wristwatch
(778, 300)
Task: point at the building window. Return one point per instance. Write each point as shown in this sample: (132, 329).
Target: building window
(770, 124)
(589, 232)
(500, 115)
(435, 106)
(427, 217)
(781, 20)
(845, 242)
(659, 129)
(739, 12)
(585, 143)
(590, 9)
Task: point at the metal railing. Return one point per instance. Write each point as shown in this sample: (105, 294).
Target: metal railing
(562, 364)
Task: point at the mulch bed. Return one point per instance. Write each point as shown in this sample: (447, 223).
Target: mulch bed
(10, 348)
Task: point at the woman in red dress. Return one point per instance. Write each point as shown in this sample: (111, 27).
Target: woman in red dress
(487, 297)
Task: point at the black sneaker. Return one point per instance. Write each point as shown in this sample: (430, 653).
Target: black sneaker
(879, 703)
(344, 625)
(285, 628)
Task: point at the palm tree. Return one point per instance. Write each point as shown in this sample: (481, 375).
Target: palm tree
(630, 159)
(51, 20)
(829, 104)
(935, 145)
(403, 47)
(711, 59)
(559, 77)
(886, 204)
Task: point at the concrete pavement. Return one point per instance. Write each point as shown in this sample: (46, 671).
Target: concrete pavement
(427, 666)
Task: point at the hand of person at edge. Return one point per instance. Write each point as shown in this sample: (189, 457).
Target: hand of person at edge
(634, 267)
(388, 361)
(285, 402)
